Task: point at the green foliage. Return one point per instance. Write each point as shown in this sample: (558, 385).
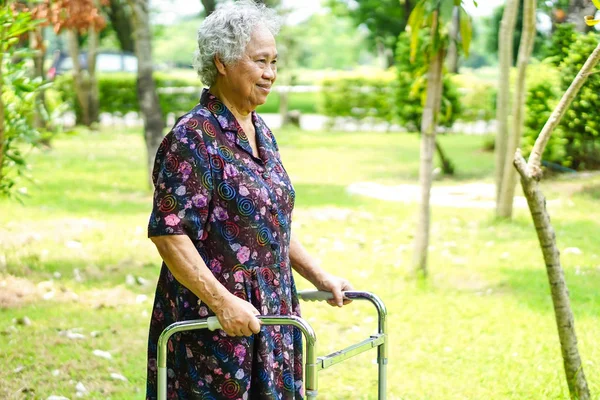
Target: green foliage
(541, 99)
(18, 96)
(384, 19)
(118, 92)
(411, 89)
(580, 126)
(477, 98)
(562, 38)
(360, 97)
(328, 42)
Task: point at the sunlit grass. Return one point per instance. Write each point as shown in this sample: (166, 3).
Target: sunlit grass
(482, 327)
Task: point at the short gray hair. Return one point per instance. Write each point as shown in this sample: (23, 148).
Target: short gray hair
(226, 33)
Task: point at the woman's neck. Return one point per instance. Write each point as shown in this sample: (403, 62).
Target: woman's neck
(243, 116)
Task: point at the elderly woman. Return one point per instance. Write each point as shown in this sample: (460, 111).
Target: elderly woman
(221, 221)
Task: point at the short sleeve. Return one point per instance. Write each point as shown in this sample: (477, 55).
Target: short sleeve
(182, 185)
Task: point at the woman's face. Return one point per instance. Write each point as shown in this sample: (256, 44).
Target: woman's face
(250, 79)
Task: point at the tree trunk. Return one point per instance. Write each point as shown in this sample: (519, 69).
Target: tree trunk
(531, 174)
(209, 6)
(36, 38)
(80, 81)
(428, 131)
(2, 128)
(121, 23)
(509, 179)
(505, 55)
(94, 102)
(146, 88)
(447, 165)
(453, 56)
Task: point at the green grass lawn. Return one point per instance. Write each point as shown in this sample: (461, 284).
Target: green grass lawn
(481, 327)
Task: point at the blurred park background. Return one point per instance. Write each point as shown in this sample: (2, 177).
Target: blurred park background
(77, 272)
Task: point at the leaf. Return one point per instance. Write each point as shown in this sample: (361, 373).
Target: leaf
(415, 20)
(590, 21)
(596, 3)
(466, 31)
(446, 11)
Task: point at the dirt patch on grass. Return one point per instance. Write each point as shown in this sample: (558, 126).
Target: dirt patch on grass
(16, 292)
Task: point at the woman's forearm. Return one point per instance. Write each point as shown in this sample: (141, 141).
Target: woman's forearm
(304, 263)
(189, 269)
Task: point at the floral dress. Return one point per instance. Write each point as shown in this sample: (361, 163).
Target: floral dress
(237, 210)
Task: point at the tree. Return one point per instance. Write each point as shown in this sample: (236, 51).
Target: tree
(531, 174)
(78, 17)
(18, 91)
(120, 21)
(506, 190)
(146, 88)
(384, 19)
(505, 55)
(211, 5)
(435, 15)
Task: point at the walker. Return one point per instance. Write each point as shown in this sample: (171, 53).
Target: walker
(313, 364)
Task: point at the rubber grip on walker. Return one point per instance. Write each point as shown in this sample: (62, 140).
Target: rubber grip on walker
(315, 295)
(213, 323)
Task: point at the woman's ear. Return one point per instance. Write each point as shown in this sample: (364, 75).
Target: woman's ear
(220, 65)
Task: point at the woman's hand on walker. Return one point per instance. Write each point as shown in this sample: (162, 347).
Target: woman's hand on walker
(238, 317)
(336, 286)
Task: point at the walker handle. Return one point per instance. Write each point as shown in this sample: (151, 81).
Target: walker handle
(316, 295)
(213, 323)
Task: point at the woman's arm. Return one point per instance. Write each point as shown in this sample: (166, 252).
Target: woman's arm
(308, 267)
(237, 316)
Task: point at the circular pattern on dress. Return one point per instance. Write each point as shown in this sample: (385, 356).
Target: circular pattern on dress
(231, 388)
(171, 163)
(201, 151)
(223, 349)
(226, 191)
(192, 123)
(226, 153)
(230, 230)
(216, 107)
(246, 206)
(239, 267)
(242, 135)
(288, 381)
(168, 203)
(216, 163)
(207, 180)
(267, 275)
(263, 236)
(209, 129)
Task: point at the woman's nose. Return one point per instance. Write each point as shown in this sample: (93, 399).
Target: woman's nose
(270, 71)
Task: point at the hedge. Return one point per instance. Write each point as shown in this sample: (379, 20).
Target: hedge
(118, 95)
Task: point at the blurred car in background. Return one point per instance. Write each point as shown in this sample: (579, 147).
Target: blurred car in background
(106, 61)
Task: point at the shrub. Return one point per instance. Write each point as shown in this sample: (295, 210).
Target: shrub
(558, 48)
(118, 93)
(580, 126)
(360, 97)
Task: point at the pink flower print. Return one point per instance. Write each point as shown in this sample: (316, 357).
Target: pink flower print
(221, 214)
(172, 220)
(203, 311)
(199, 201)
(208, 379)
(227, 375)
(244, 191)
(218, 371)
(215, 266)
(230, 171)
(243, 254)
(180, 191)
(240, 352)
(238, 276)
(185, 168)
